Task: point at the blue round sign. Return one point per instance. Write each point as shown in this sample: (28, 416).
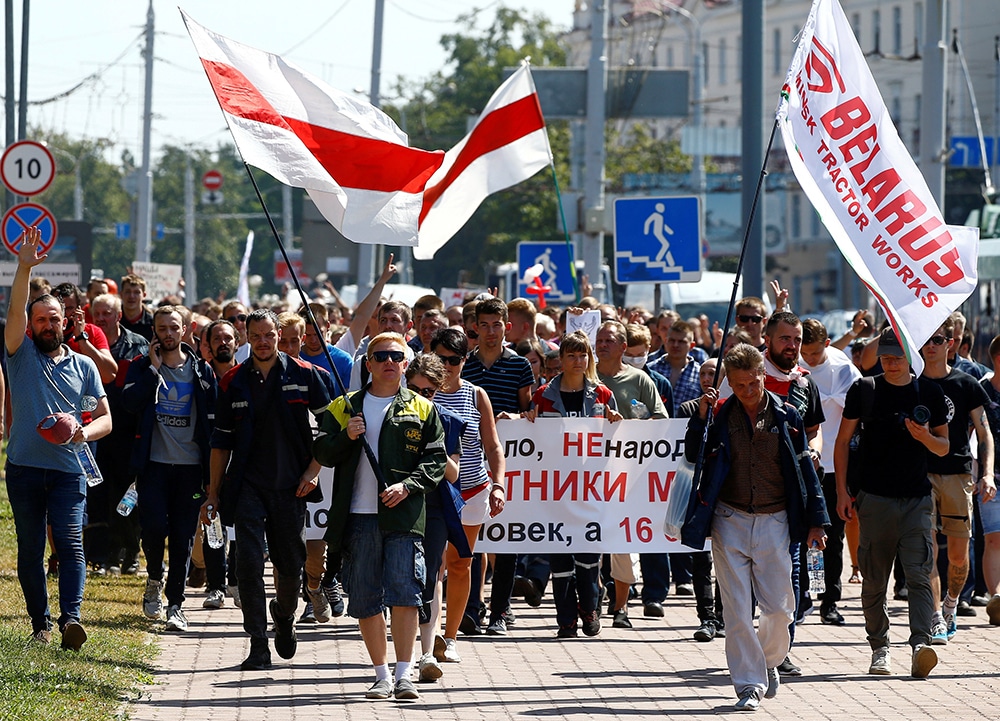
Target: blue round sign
(26, 215)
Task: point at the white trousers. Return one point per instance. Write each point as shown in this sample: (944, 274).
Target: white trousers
(752, 561)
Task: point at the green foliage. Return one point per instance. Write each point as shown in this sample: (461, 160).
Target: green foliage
(637, 151)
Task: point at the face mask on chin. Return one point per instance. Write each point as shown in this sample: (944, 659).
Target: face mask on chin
(638, 361)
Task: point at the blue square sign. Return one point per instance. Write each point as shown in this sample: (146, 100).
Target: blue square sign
(556, 259)
(657, 240)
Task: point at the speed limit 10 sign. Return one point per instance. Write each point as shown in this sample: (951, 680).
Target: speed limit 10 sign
(27, 168)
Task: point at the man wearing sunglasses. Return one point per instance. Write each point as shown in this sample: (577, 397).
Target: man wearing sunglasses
(751, 315)
(378, 514)
(261, 475)
(901, 423)
(951, 475)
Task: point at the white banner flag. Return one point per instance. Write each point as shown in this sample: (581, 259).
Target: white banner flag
(583, 485)
(857, 173)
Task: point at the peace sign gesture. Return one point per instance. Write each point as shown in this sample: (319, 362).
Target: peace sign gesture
(31, 245)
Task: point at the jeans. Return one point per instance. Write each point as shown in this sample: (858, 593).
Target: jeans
(655, 569)
(574, 585)
(833, 554)
(752, 560)
(282, 517)
(169, 501)
(381, 569)
(708, 602)
(37, 495)
(895, 528)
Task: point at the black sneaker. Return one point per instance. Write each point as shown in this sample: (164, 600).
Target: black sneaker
(470, 626)
(530, 589)
(497, 627)
(705, 632)
(567, 632)
(831, 616)
(258, 660)
(965, 609)
(285, 642)
(787, 668)
(591, 623)
(621, 620)
(335, 596)
(653, 610)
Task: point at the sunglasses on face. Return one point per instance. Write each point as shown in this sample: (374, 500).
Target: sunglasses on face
(242, 318)
(426, 392)
(750, 318)
(452, 360)
(381, 356)
(938, 339)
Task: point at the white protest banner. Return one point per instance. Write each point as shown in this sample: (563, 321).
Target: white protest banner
(588, 321)
(55, 273)
(162, 279)
(851, 163)
(317, 514)
(583, 485)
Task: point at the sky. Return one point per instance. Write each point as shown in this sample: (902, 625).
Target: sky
(330, 38)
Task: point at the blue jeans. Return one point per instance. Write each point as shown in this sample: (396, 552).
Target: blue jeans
(37, 494)
(380, 569)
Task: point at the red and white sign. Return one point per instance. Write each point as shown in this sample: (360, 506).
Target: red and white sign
(212, 180)
(27, 168)
(851, 163)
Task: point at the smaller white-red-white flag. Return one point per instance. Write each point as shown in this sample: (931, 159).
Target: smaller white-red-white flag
(507, 145)
(348, 155)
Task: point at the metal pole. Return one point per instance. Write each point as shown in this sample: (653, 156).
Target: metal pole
(594, 151)
(144, 221)
(366, 251)
(934, 105)
(77, 191)
(996, 108)
(9, 105)
(22, 108)
(190, 272)
(753, 135)
(287, 221)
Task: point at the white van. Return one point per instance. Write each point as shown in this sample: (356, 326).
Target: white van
(710, 295)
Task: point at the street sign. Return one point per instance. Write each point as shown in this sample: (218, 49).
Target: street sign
(212, 180)
(211, 197)
(27, 168)
(657, 240)
(966, 153)
(556, 260)
(123, 231)
(23, 216)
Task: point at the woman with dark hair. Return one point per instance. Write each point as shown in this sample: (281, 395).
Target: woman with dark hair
(480, 446)
(576, 393)
(532, 350)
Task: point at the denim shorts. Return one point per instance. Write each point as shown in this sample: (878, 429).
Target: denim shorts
(990, 513)
(381, 569)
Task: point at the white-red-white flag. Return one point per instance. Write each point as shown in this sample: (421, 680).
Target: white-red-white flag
(507, 145)
(348, 155)
(850, 162)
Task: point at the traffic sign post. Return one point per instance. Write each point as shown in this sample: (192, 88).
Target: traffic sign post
(26, 215)
(212, 180)
(27, 168)
(657, 240)
(556, 259)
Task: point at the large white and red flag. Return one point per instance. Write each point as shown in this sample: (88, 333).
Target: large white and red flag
(507, 144)
(354, 161)
(852, 165)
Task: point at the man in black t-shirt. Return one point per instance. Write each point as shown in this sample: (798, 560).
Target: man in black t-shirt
(894, 501)
(951, 475)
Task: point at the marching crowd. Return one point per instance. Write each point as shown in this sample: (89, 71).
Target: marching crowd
(214, 413)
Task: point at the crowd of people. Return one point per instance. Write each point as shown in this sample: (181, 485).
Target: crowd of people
(224, 415)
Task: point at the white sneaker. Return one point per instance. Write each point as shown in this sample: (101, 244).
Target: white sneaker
(214, 599)
(176, 621)
(429, 668)
(320, 604)
(451, 651)
(881, 664)
(152, 599)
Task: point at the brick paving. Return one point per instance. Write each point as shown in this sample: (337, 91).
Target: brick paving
(653, 670)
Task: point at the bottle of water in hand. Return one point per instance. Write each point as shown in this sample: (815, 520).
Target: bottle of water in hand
(127, 504)
(639, 409)
(817, 572)
(213, 529)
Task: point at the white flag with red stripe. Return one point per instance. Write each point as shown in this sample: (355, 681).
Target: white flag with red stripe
(507, 145)
(851, 163)
(354, 161)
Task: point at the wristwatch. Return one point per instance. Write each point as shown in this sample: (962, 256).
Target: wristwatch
(83, 336)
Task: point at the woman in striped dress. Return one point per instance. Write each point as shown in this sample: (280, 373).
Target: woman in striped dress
(480, 450)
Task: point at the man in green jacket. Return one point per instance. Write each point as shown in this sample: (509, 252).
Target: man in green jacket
(377, 511)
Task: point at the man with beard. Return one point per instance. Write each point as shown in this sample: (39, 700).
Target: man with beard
(261, 457)
(791, 382)
(123, 531)
(45, 481)
(222, 346)
(172, 392)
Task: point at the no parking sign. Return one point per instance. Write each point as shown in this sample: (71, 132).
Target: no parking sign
(23, 216)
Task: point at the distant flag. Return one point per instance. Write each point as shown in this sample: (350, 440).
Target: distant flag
(354, 161)
(243, 287)
(855, 170)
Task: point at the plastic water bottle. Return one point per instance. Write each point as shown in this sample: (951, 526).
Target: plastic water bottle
(88, 465)
(817, 574)
(127, 504)
(213, 529)
(639, 409)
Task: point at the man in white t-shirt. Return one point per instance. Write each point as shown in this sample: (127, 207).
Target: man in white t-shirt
(833, 373)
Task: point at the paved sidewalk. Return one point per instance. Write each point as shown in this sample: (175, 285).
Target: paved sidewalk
(653, 670)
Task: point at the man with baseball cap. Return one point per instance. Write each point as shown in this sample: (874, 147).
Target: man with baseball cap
(900, 421)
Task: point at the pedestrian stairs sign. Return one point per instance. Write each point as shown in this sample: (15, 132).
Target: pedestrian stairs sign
(657, 240)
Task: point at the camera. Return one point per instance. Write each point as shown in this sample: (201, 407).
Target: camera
(920, 414)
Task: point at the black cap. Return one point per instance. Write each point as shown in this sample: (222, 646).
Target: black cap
(888, 343)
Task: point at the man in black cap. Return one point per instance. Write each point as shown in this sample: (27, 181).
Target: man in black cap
(899, 419)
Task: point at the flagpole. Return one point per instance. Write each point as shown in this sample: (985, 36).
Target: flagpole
(341, 388)
(569, 244)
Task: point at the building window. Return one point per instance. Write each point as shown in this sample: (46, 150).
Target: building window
(796, 215)
(856, 25)
(897, 30)
(896, 103)
(776, 65)
(670, 56)
(704, 64)
(877, 31)
(722, 61)
(918, 28)
(814, 226)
